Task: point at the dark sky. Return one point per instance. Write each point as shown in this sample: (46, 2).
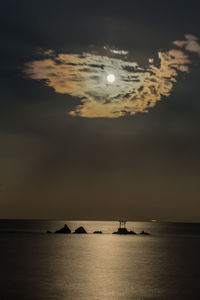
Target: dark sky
(73, 147)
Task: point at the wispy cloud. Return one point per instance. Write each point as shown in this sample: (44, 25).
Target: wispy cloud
(135, 89)
(116, 51)
(190, 44)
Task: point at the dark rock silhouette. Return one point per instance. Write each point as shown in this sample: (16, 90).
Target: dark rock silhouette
(64, 229)
(80, 230)
(132, 232)
(97, 232)
(144, 233)
(48, 231)
(123, 231)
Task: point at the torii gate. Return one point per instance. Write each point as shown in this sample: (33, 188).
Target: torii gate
(122, 223)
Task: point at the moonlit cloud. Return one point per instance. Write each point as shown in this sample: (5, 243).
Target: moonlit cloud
(190, 44)
(135, 89)
(116, 51)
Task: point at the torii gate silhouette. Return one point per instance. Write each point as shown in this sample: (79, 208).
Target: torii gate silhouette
(122, 223)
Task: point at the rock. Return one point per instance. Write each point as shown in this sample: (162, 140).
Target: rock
(123, 231)
(48, 231)
(144, 233)
(65, 229)
(132, 232)
(97, 232)
(80, 230)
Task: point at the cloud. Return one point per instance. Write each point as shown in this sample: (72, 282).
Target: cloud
(116, 51)
(190, 44)
(135, 89)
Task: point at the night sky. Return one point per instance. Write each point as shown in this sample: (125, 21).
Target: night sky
(74, 145)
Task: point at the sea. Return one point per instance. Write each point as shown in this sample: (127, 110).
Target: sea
(35, 265)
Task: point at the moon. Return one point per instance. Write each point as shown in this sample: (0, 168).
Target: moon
(111, 78)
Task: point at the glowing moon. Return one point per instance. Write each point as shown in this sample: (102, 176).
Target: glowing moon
(111, 78)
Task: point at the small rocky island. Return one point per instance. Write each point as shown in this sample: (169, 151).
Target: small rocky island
(122, 229)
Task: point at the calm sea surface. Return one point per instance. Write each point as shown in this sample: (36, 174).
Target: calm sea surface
(36, 265)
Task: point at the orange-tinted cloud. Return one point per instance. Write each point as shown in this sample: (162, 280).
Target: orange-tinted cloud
(190, 44)
(136, 89)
